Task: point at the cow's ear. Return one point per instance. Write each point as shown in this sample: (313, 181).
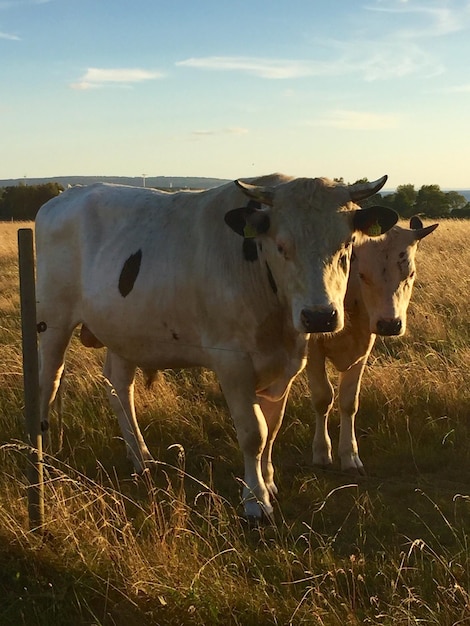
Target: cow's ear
(375, 220)
(247, 221)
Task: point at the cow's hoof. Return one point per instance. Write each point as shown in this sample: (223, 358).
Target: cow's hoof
(325, 467)
(254, 522)
(145, 474)
(355, 471)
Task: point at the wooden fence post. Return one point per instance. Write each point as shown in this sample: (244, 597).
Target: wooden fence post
(31, 378)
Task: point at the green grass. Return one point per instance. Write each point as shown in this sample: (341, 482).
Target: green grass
(173, 548)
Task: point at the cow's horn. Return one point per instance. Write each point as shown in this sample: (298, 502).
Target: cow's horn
(265, 195)
(361, 191)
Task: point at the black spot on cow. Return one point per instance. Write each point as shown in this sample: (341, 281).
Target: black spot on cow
(250, 252)
(272, 282)
(403, 265)
(175, 335)
(129, 273)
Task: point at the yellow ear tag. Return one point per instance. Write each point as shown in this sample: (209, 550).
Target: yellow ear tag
(375, 230)
(249, 232)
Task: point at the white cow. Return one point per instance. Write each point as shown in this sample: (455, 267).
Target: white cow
(379, 290)
(158, 278)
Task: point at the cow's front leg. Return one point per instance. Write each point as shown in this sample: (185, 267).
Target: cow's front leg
(348, 398)
(273, 411)
(237, 379)
(120, 376)
(322, 396)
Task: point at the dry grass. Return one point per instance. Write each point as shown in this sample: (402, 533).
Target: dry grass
(172, 549)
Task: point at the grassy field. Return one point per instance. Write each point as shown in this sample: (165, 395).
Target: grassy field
(173, 549)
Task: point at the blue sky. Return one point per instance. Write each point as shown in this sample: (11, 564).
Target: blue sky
(235, 88)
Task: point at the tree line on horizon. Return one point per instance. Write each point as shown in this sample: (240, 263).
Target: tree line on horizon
(428, 201)
(22, 202)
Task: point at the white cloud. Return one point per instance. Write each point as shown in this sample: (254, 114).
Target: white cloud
(456, 89)
(368, 59)
(393, 61)
(10, 4)
(258, 66)
(438, 20)
(357, 120)
(96, 77)
(9, 36)
(238, 130)
(233, 130)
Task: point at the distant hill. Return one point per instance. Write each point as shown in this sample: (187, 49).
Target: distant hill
(463, 192)
(160, 182)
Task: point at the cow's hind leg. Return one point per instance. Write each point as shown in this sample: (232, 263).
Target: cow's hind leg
(53, 344)
(120, 375)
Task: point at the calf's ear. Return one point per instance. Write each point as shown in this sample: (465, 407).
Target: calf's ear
(415, 222)
(419, 230)
(374, 220)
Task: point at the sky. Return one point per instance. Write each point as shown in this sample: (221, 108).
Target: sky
(232, 89)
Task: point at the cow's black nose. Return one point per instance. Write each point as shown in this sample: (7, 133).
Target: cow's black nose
(389, 327)
(323, 321)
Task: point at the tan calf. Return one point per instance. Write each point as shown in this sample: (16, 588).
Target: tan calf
(379, 290)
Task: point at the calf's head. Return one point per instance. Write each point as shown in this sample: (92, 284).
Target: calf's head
(303, 231)
(385, 269)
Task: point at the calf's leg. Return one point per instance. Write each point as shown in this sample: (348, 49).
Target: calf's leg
(322, 396)
(273, 412)
(348, 398)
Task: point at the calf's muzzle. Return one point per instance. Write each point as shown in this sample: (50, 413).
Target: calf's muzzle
(389, 327)
(319, 321)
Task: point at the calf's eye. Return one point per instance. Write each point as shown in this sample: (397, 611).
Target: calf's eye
(343, 261)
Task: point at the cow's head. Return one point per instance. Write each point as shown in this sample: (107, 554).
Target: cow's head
(385, 271)
(303, 234)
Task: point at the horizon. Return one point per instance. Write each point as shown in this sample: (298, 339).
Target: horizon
(24, 180)
(351, 90)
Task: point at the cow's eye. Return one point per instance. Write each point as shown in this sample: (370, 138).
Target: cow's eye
(283, 249)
